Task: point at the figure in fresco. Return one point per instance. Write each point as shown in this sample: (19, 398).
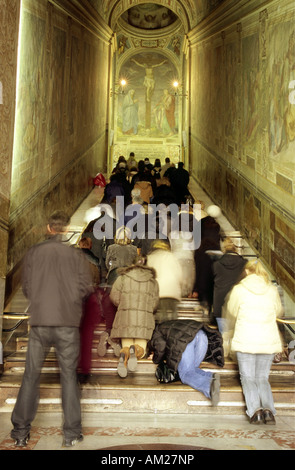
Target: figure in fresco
(289, 64)
(130, 113)
(176, 45)
(165, 114)
(149, 81)
(149, 16)
(122, 44)
(282, 112)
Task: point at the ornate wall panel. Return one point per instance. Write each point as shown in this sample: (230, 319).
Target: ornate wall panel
(242, 124)
(60, 139)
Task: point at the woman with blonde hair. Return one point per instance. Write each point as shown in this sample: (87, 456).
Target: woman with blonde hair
(251, 309)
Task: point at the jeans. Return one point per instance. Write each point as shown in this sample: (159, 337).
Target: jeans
(221, 322)
(66, 343)
(254, 372)
(188, 368)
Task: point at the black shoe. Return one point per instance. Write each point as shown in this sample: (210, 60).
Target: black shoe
(268, 417)
(257, 418)
(72, 441)
(83, 378)
(22, 442)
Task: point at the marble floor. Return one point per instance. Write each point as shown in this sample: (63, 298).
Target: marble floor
(122, 431)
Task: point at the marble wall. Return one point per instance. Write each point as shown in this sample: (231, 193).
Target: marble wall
(60, 138)
(9, 17)
(242, 124)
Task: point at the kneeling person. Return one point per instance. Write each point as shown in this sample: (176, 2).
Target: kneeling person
(136, 293)
(182, 345)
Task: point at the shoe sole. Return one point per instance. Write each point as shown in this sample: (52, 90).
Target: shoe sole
(102, 345)
(116, 347)
(121, 369)
(132, 361)
(216, 391)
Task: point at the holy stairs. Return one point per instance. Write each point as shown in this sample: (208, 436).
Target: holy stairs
(139, 391)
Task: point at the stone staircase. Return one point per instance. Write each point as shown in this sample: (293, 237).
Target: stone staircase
(140, 391)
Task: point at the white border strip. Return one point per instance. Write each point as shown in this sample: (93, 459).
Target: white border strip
(235, 403)
(84, 401)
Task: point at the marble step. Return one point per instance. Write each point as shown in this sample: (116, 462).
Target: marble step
(15, 364)
(142, 393)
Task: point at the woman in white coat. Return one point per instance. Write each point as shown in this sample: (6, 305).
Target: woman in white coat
(251, 309)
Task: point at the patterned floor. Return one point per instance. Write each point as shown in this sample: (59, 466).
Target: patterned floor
(120, 431)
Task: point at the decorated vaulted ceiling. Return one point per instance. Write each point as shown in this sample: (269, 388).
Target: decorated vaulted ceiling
(154, 15)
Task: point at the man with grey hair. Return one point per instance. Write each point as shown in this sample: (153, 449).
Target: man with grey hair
(56, 279)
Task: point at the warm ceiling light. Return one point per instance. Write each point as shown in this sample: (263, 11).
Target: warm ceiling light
(175, 84)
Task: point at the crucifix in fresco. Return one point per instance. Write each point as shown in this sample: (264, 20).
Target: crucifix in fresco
(149, 83)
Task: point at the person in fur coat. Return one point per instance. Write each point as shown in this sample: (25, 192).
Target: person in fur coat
(136, 294)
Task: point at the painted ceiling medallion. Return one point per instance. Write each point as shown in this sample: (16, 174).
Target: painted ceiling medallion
(149, 16)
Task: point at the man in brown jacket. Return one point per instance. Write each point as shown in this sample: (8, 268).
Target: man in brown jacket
(56, 279)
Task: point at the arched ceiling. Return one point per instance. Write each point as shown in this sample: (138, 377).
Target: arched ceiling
(154, 15)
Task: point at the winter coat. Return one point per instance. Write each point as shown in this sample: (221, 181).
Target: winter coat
(112, 190)
(170, 339)
(168, 272)
(204, 283)
(156, 172)
(211, 232)
(136, 293)
(179, 181)
(146, 190)
(227, 271)
(251, 309)
(164, 194)
(120, 256)
(56, 280)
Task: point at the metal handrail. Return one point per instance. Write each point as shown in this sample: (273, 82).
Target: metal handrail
(287, 322)
(21, 317)
(13, 316)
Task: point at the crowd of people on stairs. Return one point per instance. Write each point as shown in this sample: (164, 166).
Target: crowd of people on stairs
(134, 286)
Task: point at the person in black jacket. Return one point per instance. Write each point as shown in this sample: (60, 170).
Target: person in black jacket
(179, 181)
(227, 271)
(182, 345)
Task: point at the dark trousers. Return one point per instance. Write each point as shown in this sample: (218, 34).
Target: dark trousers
(67, 346)
(98, 307)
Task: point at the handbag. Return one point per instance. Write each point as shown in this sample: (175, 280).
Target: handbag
(166, 375)
(99, 180)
